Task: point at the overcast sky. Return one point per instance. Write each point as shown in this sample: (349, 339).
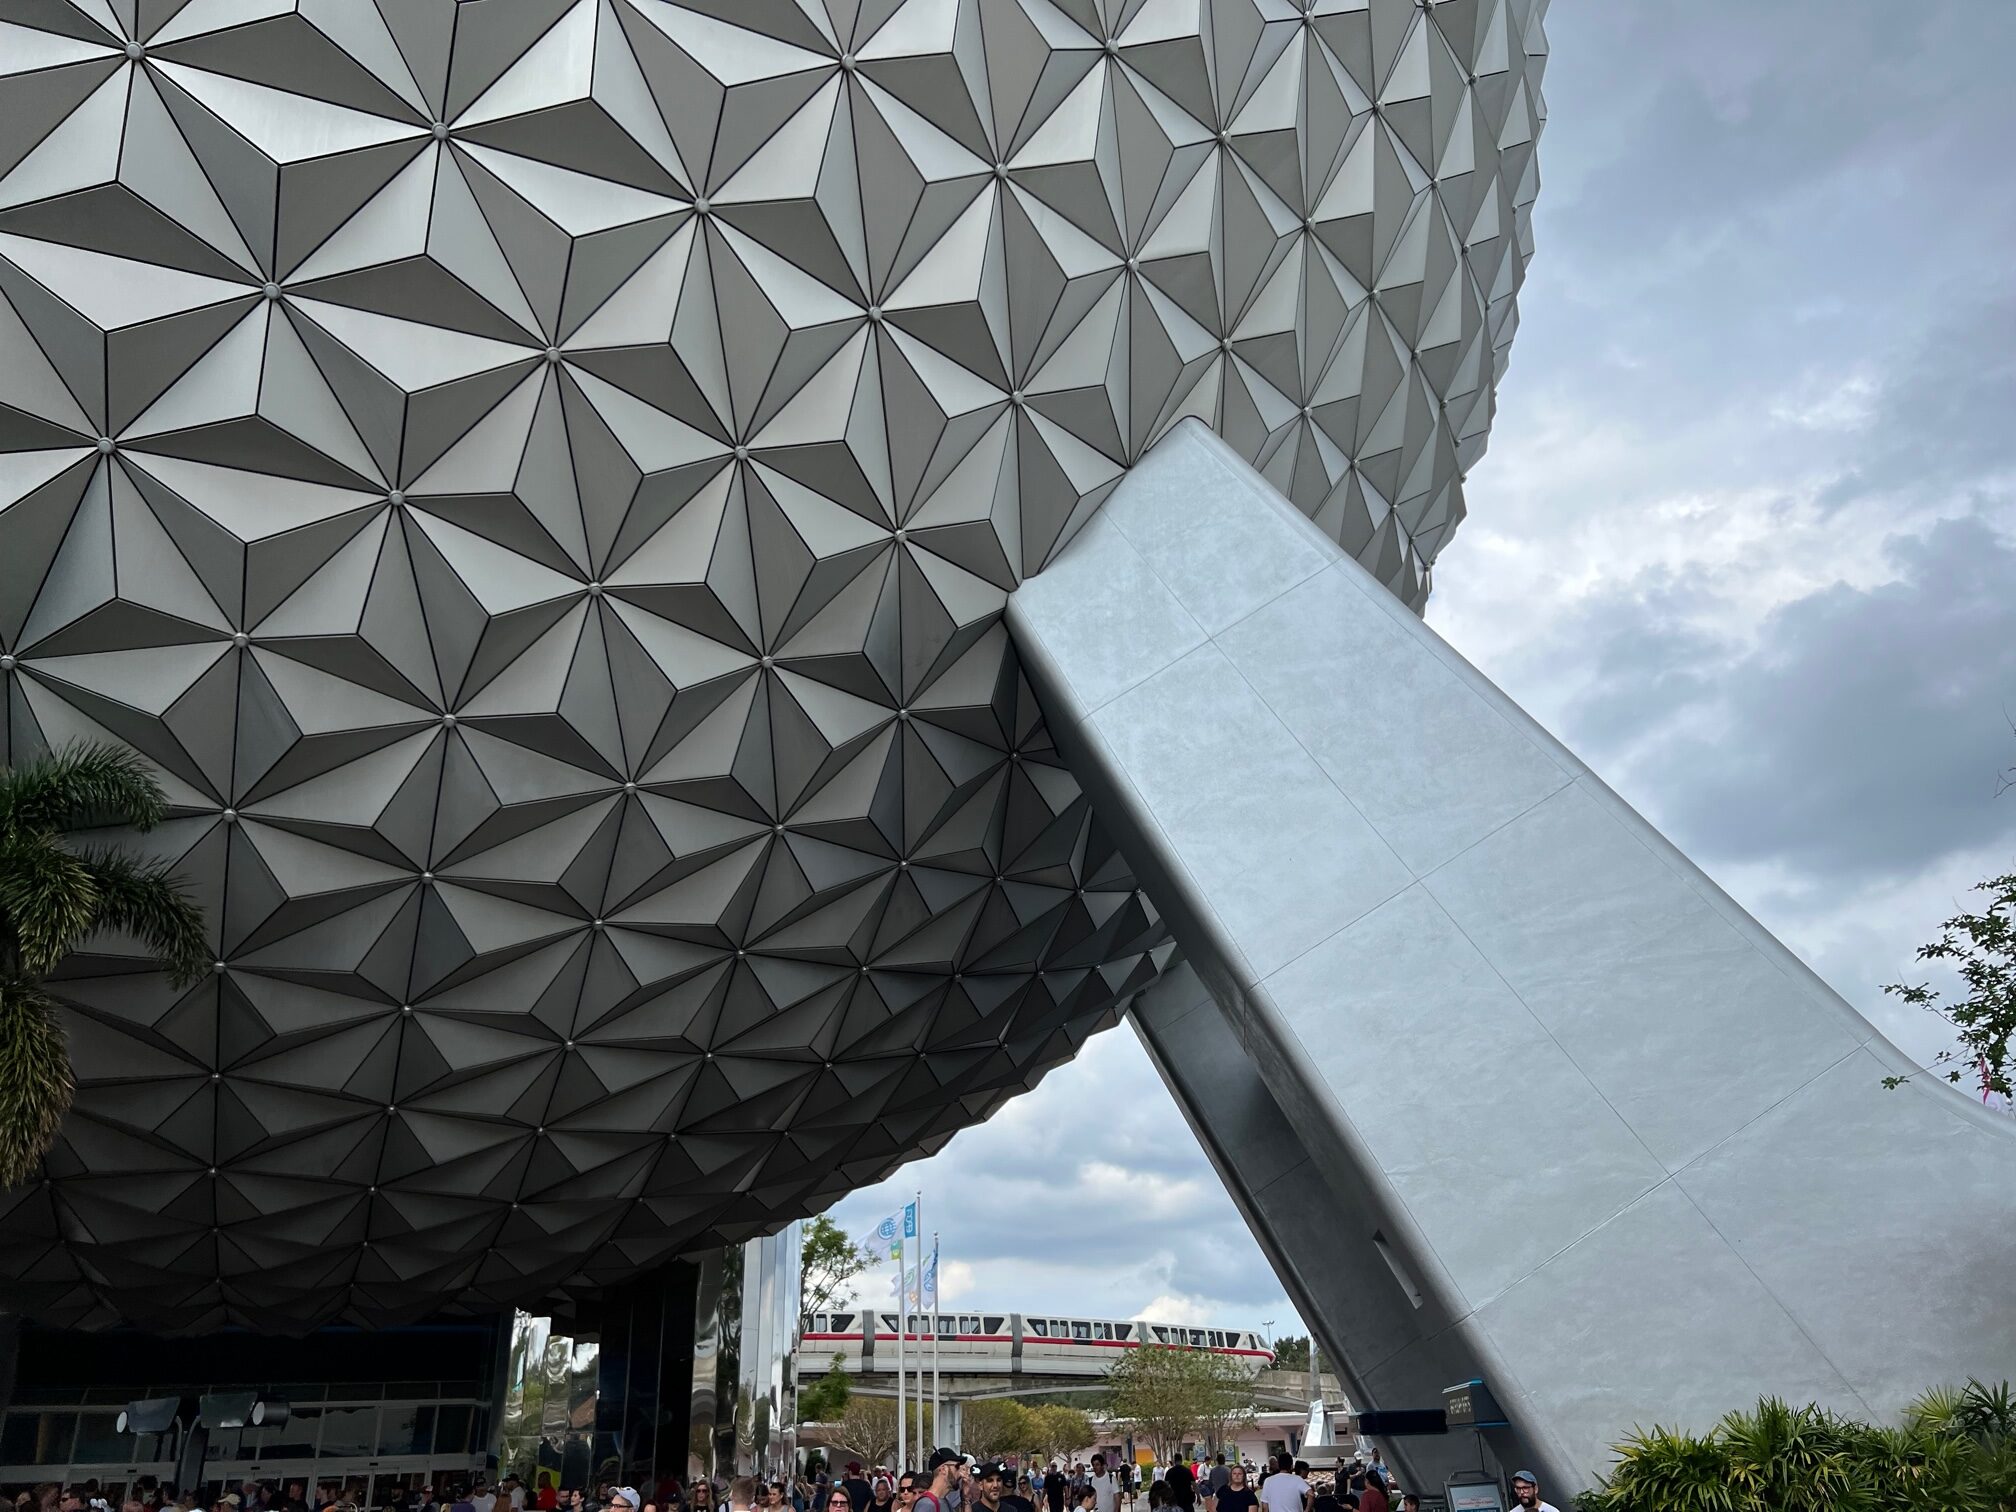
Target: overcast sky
(1745, 538)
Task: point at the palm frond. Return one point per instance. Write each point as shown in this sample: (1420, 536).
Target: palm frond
(82, 786)
(147, 900)
(35, 1082)
(47, 898)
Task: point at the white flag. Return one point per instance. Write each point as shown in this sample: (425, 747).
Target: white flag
(889, 1236)
(927, 1287)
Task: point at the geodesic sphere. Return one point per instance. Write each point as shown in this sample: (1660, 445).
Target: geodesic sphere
(540, 480)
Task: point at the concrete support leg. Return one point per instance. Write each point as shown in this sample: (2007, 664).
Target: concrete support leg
(1567, 1116)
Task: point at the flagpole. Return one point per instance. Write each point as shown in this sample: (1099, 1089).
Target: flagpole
(934, 1334)
(902, 1299)
(922, 1453)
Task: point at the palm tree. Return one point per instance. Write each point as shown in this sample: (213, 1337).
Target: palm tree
(53, 894)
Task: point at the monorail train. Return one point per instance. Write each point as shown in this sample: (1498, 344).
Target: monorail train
(1012, 1343)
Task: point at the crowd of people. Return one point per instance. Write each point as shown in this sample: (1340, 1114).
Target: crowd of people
(1283, 1484)
(950, 1482)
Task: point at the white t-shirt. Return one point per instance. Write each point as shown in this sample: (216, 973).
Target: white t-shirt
(1105, 1491)
(1284, 1491)
(517, 1499)
(484, 1501)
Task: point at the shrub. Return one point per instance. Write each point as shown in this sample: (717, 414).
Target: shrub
(1955, 1452)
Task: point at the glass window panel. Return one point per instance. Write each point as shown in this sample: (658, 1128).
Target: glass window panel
(296, 1440)
(349, 1432)
(99, 1441)
(37, 1438)
(406, 1428)
(1081, 1330)
(451, 1430)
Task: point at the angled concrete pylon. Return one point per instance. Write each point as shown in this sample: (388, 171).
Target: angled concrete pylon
(1504, 1084)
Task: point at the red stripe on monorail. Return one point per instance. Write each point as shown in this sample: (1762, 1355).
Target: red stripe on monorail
(915, 1338)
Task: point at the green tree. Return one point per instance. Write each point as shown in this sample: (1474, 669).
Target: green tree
(1056, 1431)
(1982, 949)
(1174, 1395)
(56, 890)
(1291, 1352)
(992, 1428)
(828, 1259)
(825, 1399)
(866, 1430)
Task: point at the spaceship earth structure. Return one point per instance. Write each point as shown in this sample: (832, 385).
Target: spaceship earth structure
(540, 479)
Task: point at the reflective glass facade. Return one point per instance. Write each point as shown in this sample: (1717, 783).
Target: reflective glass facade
(686, 1371)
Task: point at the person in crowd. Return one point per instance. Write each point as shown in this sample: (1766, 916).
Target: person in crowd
(837, 1500)
(1086, 1499)
(1237, 1495)
(547, 1497)
(947, 1471)
(624, 1499)
(991, 1490)
(885, 1495)
(1054, 1487)
(1220, 1474)
(1284, 1490)
(1410, 1501)
(742, 1494)
(1372, 1495)
(1104, 1486)
(907, 1485)
(1179, 1488)
(859, 1492)
(1526, 1491)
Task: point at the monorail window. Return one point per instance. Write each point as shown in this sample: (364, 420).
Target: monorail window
(843, 1322)
(1081, 1330)
(994, 1325)
(1039, 1328)
(1196, 1338)
(1102, 1330)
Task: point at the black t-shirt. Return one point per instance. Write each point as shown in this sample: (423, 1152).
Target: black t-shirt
(858, 1492)
(1237, 1501)
(1053, 1488)
(1012, 1503)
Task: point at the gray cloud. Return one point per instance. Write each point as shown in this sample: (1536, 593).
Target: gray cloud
(1859, 737)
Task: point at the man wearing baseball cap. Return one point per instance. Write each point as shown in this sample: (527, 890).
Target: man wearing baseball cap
(1526, 1491)
(947, 1485)
(990, 1490)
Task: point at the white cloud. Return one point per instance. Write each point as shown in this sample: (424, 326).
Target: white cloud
(1192, 1312)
